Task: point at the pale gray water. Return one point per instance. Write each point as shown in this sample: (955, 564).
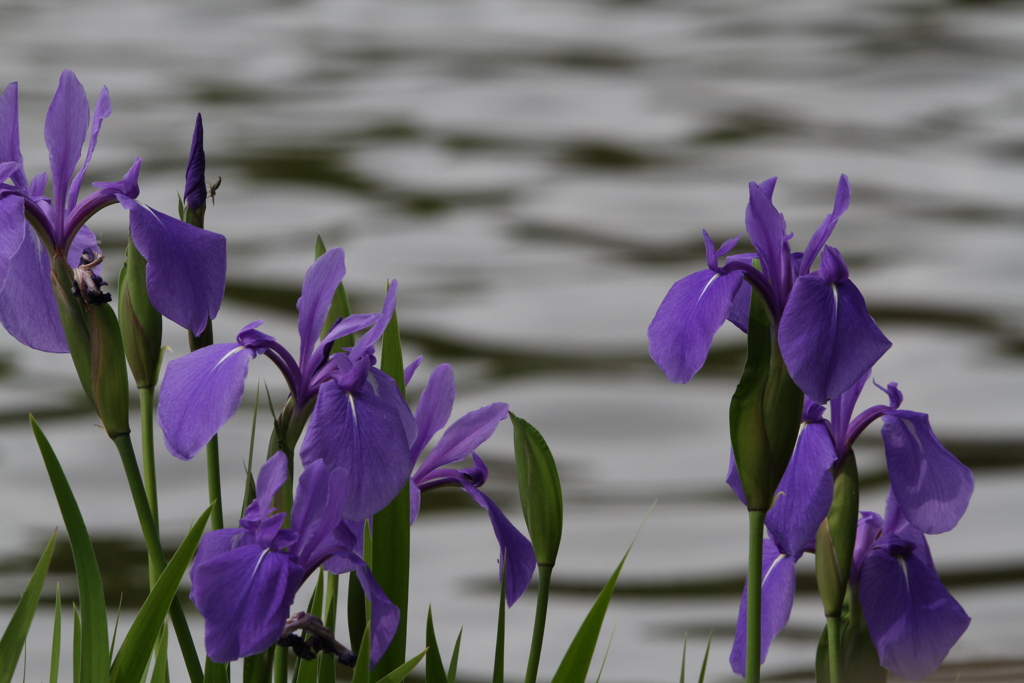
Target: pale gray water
(536, 175)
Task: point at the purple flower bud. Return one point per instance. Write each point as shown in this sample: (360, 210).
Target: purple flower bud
(195, 173)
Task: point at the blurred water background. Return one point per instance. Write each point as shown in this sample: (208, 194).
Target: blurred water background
(536, 175)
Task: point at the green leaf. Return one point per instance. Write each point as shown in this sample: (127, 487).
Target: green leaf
(454, 664)
(16, 632)
(391, 525)
(576, 662)
(435, 672)
(160, 671)
(130, 663)
(95, 657)
(499, 641)
(55, 647)
(76, 645)
(402, 671)
(361, 671)
(704, 666)
(540, 490)
(306, 671)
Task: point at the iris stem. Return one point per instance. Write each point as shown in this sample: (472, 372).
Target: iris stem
(834, 659)
(755, 551)
(213, 482)
(156, 554)
(149, 467)
(280, 665)
(539, 621)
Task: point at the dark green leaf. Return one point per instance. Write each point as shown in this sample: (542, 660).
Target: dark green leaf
(16, 632)
(435, 672)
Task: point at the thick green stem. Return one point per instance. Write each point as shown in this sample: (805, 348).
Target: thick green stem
(834, 658)
(280, 664)
(755, 551)
(213, 482)
(539, 621)
(149, 467)
(156, 553)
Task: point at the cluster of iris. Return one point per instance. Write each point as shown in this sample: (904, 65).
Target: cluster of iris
(363, 444)
(820, 328)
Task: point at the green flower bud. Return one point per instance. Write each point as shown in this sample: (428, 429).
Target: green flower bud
(836, 537)
(141, 324)
(540, 490)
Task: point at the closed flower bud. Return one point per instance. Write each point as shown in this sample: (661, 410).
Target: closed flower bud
(540, 490)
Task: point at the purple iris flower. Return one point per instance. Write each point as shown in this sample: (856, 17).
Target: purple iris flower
(360, 423)
(826, 336)
(911, 617)
(932, 487)
(459, 441)
(244, 580)
(35, 228)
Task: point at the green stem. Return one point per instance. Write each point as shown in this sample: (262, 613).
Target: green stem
(539, 621)
(499, 645)
(834, 658)
(156, 553)
(755, 552)
(149, 467)
(213, 482)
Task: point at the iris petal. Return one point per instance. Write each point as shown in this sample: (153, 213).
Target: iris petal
(932, 487)
(465, 435)
(186, 267)
(778, 584)
(912, 618)
(804, 495)
(694, 308)
(318, 287)
(200, 392)
(516, 550)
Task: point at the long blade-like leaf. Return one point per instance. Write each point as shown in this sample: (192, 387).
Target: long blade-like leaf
(453, 667)
(435, 667)
(361, 671)
(131, 660)
(576, 662)
(17, 630)
(55, 647)
(95, 658)
(401, 672)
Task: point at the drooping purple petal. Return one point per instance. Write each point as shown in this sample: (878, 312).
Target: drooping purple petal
(912, 618)
(694, 308)
(465, 435)
(384, 615)
(377, 331)
(186, 267)
(103, 110)
(827, 338)
(67, 123)
(28, 309)
(435, 407)
(367, 435)
(778, 584)
(516, 551)
(932, 487)
(804, 494)
(10, 142)
(318, 287)
(244, 595)
(200, 392)
(272, 476)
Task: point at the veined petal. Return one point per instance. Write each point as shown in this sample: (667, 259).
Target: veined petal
(186, 267)
(824, 231)
(804, 494)
(767, 230)
(200, 392)
(102, 111)
(28, 309)
(367, 435)
(778, 584)
(694, 308)
(516, 550)
(384, 615)
(318, 287)
(10, 141)
(244, 595)
(932, 487)
(827, 338)
(67, 123)
(912, 618)
(435, 407)
(465, 435)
